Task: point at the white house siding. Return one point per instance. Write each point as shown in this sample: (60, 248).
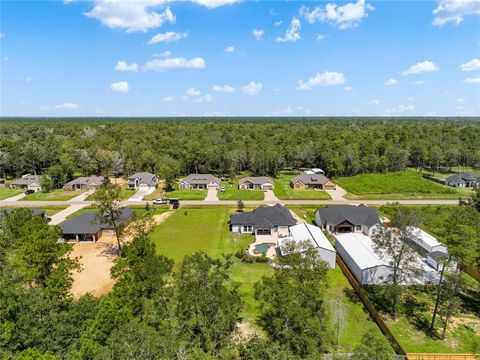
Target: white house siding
(376, 275)
(328, 256)
(34, 187)
(348, 260)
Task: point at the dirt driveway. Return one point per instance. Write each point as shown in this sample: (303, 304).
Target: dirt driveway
(95, 260)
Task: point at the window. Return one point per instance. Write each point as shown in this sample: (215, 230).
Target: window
(247, 228)
(358, 227)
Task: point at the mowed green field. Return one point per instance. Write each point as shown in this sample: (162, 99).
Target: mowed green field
(284, 191)
(205, 228)
(395, 186)
(6, 192)
(187, 194)
(232, 192)
(54, 195)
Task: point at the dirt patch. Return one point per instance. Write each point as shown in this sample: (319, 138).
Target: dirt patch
(244, 333)
(117, 180)
(96, 259)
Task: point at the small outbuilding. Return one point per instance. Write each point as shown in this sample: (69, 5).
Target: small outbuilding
(356, 251)
(426, 241)
(314, 237)
(87, 227)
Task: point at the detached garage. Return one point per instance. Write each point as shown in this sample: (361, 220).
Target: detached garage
(356, 251)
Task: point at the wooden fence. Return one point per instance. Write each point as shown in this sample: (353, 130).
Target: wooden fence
(473, 272)
(374, 313)
(419, 356)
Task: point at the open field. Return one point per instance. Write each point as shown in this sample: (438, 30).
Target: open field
(284, 191)
(205, 228)
(54, 195)
(232, 192)
(395, 186)
(6, 192)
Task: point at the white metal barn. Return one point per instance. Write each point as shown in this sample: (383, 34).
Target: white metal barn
(356, 251)
(427, 241)
(316, 238)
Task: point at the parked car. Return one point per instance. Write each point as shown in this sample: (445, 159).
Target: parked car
(159, 202)
(28, 192)
(176, 205)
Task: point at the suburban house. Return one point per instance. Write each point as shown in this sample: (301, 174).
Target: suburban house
(85, 182)
(356, 251)
(255, 182)
(465, 179)
(348, 219)
(312, 181)
(265, 220)
(28, 182)
(142, 180)
(200, 182)
(88, 227)
(314, 238)
(314, 171)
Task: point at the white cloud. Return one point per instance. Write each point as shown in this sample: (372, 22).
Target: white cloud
(168, 98)
(421, 67)
(375, 102)
(391, 82)
(278, 23)
(326, 78)
(163, 54)
(229, 49)
(174, 63)
(131, 16)
(400, 109)
(214, 3)
(223, 88)
(253, 88)
(66, 106)
(289, 111)
(121, 86)
(320, 37)
(293, 32)
(472, 80)
(344, 16)
(472, 65)
(123, 66)
(192, 92)
(454, 10)
(348, 88)
(204, 98)
(168, 36)
(258, 33)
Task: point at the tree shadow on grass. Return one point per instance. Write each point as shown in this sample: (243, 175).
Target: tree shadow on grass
(414, 310)
(471, 302)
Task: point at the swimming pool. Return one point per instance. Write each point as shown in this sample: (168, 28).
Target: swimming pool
(262, 248)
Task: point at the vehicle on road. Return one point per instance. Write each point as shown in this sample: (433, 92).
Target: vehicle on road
(176, 205)
(28, 192)
(159, 202)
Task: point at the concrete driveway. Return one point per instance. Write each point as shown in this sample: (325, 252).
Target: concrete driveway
(269, 196)
(337, 194)
(141, 193)
(62, 215)
(211, 195)
(16, 197)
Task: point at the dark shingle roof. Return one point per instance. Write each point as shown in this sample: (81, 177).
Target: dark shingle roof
(87, 180)
(144, 178)
(88, 223)
(257, 180)
(198, 179)
(310, 179)
(356, 215)
(265, 217)
(27, 180)
(463, 177)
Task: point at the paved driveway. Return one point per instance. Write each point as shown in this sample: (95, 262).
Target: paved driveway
(212, 195)
(269, 196)
(141, 193)
(16, 197)
(62, 215)
(337, 194)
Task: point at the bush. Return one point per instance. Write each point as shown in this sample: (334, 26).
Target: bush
(261, 259)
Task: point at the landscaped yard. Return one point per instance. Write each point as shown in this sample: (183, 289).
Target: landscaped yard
(306, 212)
(232, 192)
(54, 195)
(395, 186)
(159, 193)
(52, 210)
(284, 191)
(6, 192)
(205, 228)
(187, 194)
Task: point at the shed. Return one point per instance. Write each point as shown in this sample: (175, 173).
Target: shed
(356, 251)
(426, 241)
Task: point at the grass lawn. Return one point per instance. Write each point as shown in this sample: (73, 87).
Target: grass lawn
(411, 326)
(54, 195)
(159, 193)
(232, 192)
(306, 212)
(284, 191)
(395, 186)
(187, 194)
(125, 193)
(6, 192)
(52, 210)
(138, 210)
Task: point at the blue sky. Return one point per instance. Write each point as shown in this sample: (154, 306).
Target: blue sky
(229, 58)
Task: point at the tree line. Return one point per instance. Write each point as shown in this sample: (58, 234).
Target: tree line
(174, 147)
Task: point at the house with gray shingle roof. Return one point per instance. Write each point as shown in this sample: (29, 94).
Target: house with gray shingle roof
(28, 182)
(348, 219)
(142, 180)
(466, 179)
(265, 220)
(200, 182)
(255, 182)
(85, 182)
(311, 181)
(88, 227)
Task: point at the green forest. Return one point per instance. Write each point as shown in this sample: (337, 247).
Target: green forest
(170, 148)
